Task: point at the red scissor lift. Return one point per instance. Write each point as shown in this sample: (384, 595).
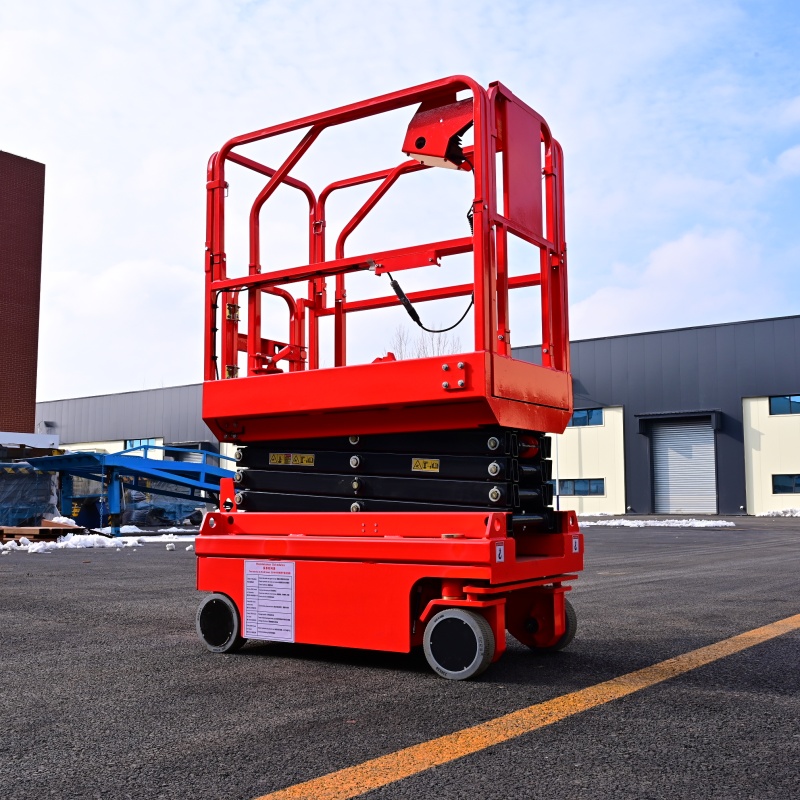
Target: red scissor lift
(444, 459)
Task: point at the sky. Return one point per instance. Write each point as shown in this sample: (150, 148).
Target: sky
(680, 123)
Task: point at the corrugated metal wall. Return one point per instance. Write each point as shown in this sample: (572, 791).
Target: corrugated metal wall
(172, 413)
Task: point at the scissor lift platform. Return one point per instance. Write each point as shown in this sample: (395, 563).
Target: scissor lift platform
(437, 528)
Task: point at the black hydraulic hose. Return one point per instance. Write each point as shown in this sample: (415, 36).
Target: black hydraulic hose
(412, 312)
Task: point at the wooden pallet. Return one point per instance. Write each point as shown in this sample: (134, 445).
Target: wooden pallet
(41, 533)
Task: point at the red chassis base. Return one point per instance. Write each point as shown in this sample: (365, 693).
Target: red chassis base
(374, 580)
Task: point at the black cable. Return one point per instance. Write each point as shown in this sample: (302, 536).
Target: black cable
(412, 312)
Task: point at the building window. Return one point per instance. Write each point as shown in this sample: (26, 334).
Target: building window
(129, 443)
(786, 484)
(586, 416)
(582, 487)
(785, 404)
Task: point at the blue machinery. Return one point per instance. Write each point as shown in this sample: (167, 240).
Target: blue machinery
(135, 469)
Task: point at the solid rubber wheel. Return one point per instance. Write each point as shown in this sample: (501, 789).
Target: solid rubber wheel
(218, 625)
(458, 644)
(570, 628)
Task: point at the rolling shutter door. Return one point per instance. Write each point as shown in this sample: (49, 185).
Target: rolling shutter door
(188, 458)
(684, 473)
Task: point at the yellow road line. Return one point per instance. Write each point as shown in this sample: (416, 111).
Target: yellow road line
(377, 772)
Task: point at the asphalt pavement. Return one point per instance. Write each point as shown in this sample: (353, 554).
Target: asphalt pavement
(106, 692)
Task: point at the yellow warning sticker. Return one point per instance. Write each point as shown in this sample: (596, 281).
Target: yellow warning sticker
(292, 459)
(425, 465)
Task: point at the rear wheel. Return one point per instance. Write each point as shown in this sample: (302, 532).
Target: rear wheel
(524, 631)
(218, 624)
(458, 644)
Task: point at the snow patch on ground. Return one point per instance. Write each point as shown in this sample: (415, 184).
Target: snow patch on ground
(124, 529)
(76, 541)
(168, 537)
(660, 523)
(786, 512)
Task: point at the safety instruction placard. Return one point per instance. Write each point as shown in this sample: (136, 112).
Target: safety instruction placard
(269, 600)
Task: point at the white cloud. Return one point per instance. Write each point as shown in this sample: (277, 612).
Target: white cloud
(698, 279)
(789, 112)
(788, 162)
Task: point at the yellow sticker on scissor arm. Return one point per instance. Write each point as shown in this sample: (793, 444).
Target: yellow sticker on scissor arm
(292, 459)
(425, 465)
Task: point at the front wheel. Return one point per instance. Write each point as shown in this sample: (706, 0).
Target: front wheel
(458, 644)
(218, 624)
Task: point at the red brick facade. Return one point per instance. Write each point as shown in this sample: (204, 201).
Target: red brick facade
(21, 215)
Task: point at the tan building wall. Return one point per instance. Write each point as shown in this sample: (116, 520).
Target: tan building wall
(771, 447)
(594, 451)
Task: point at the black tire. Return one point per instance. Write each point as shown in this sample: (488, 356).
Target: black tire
(570, 629)
(459, 644)
(218, 624)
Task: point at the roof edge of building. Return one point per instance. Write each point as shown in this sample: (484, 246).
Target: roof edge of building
(673, 330)
(118, 394)
(24, 158)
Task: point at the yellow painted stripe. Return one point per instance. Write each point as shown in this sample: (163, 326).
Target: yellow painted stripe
(377, 772)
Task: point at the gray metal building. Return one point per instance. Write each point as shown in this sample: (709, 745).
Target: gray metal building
(691, 378)
(687, 417)
(171, 414)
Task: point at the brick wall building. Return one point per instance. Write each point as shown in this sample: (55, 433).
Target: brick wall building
(21, 216)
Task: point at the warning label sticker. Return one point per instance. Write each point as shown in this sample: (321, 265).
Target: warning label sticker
(292, 459)
(269, 600)
(424, 464)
